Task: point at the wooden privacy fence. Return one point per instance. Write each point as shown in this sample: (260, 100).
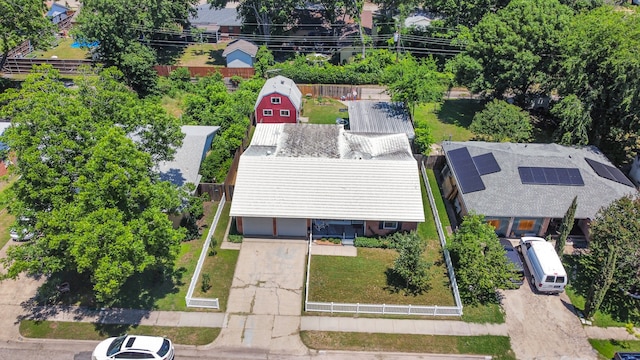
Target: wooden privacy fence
(23, 66)
(165, 70)
(346, 92)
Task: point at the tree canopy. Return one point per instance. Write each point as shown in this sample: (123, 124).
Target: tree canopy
(500, 121)
(479, 260)
(514, 49)
(89, 191)
(121, 26)
(599, 78)
(23, 20)
(614, 259)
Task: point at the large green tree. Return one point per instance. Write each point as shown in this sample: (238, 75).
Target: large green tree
(614, 259)
(23, 20)
(479, 260)
(465, 12)
(120, 26)
(599, 72)
(566, 226)
(90, 192)
(514, 49)
(410, 265)
(500, 121)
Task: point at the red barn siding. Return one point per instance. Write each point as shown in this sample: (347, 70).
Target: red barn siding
(285, 104)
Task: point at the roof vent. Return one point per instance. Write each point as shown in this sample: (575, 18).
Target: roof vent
(268, 152)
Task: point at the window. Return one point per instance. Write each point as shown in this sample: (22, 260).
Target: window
(275, 100)
(550, 279)
(494, 223)
(560, 279)
(525, 225)
(267, 112)
(284, 113)
(390, 225)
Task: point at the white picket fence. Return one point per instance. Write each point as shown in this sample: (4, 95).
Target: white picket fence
(204, 302)
(358, 308)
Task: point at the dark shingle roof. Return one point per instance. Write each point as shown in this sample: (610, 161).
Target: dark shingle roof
(506, 196)
(207, 16)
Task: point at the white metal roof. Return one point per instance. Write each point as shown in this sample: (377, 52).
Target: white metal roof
(283, 86)
(279, 177)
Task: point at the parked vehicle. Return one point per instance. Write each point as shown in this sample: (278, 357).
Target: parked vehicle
(131, 347)
(547, 273)
(626, 356)
(20, 231)
(514, 258)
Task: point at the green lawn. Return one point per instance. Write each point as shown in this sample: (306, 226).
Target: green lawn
(220, 267)
(607, 348)
(90, 331)
(363, 279)
(203, 55)
(173, 105)
(435, 190)
(496, 346)
(451, 119)
(62, 50)
(323, 111)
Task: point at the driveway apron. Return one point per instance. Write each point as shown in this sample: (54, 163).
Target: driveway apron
(265, 301)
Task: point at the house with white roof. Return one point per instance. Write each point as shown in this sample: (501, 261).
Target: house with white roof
(279, 101)
(524, 189)
(296, 180)
(185, 166)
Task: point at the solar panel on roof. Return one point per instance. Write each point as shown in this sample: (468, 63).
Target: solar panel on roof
(609, 172)
(550, 176)
(486, 164)
(468, 177)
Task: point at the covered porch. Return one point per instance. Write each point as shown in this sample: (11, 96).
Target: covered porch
(340, 229)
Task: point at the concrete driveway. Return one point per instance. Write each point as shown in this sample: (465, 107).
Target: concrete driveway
(265, 301)
(544, 326)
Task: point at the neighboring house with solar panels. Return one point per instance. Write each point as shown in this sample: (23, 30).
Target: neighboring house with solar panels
(299, 178)
(526, 189)
(279, 101)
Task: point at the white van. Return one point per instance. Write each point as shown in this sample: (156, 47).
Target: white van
(547, 272)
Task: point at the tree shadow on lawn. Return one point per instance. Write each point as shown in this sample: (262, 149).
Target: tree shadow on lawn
(459, 112)
(215, 58)
(72, 293)
(396, 284)
(169, 55)
(618, 306)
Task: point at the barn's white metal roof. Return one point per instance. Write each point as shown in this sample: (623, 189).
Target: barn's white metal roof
(349, 176)
(283, 86)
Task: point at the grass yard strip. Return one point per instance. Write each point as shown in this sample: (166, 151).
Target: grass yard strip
(186, 265)
(482, 314)
(6, 220)
(442, 211)
(496, 346)
(325, 111)
(607, 348)
(451, 119)
(173, 105)
(91, 331)
(599, 319)
(221, 266)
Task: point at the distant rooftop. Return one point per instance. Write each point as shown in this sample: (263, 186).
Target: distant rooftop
(380, 117)
(205, 15)
(243, 45)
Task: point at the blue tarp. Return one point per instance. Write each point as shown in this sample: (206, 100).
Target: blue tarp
(82, 44)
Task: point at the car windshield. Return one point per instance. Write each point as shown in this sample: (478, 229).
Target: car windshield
(164, 349)
(116, 345)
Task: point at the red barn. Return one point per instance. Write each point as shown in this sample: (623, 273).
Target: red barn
(279, 101)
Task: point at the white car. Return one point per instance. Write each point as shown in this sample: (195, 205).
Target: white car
(19, 233)
(129, 347)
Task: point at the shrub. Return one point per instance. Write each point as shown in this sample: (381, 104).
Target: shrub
(206, 282)
(369, 242)
(236, 239)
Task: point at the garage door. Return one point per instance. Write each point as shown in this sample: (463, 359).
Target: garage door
(292, 227)
(252, 226)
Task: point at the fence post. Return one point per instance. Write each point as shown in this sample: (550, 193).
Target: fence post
(409, 309)
(384, 307)
(332, 307)
(435, 310)
(357, 308)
